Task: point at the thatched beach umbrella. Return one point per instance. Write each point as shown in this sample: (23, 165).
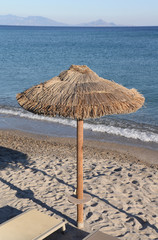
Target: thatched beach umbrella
(79, 93)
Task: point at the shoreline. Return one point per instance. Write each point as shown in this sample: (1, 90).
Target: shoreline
(58, 129)
(135, 154)
(40, 172)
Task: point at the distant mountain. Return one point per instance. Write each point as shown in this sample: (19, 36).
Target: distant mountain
(98, 23)
(42, 21)
(28, 21)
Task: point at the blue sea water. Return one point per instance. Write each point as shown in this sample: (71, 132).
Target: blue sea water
(127, 55)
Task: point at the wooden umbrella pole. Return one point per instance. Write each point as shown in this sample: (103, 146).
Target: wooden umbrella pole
(80, 223)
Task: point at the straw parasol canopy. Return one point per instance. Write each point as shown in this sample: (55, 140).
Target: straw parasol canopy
(79, 93)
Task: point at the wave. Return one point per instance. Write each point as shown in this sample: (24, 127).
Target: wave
(124, 132)
(32, 116)
(134, 133)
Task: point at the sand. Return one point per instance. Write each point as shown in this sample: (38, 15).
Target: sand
(40, 172)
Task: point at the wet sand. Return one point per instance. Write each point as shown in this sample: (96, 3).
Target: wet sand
(40, 172)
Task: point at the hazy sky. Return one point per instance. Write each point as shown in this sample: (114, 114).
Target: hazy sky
(124, 12)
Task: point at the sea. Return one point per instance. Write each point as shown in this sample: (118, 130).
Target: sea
(127, 55)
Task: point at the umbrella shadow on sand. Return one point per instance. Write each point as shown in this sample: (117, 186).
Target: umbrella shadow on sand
(12, 158)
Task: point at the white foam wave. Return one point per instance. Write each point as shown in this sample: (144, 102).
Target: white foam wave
(145, 136)
(38, 117)
(124, 132)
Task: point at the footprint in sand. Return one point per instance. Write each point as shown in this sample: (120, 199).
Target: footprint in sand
(136, 182)
(94, 204)
(89, 215)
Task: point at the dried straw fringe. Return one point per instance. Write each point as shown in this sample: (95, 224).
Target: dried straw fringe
(80, 93)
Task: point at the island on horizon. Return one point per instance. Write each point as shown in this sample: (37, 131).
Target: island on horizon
(13, 20)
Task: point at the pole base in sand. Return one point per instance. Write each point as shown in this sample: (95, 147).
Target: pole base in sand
(80, 225)
(73, 199)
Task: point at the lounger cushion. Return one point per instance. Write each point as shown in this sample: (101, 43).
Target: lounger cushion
(30, 225)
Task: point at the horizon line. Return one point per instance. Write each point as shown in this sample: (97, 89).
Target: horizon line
(116, 26)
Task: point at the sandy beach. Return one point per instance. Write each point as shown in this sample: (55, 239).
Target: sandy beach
(40, 172)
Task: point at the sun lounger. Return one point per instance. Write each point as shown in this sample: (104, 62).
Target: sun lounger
(99, 236)
(30, 225)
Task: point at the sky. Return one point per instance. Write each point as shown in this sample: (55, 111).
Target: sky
(121, 12)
